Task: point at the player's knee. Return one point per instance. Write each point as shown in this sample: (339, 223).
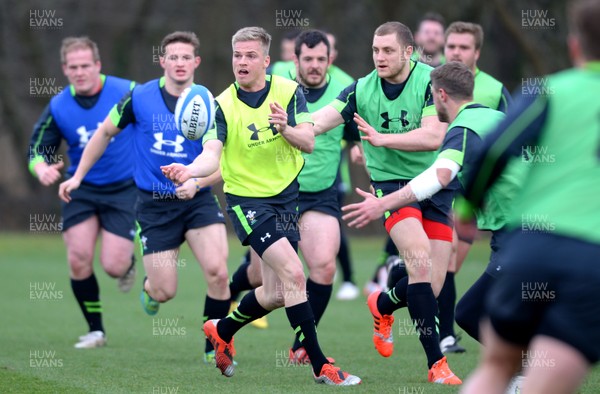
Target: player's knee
(419, 272)
(162, 294)
(323, 271)
(418, 262)
(115, 264)
(217, 277)
(294, 277)
(504, 363)
(80, 262)
(116, 268)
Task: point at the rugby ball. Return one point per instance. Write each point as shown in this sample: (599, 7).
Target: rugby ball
(195, 112)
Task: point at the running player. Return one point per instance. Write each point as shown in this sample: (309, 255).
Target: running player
(544, 306)
(168, 214)
(429, 40)
(318, 207)
(348, 289)
(261, 127)
(396, 98)
(464, 42)
(104, 206)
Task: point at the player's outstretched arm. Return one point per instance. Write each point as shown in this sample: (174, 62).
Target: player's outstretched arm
(423, 186)
(300, 136)
(428, 137)
(210, 180)
(204, 165)
(326, 119)
(91, 154)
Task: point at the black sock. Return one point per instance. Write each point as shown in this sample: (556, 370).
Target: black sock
(446, 301)
(375, 278)
(318, 298)
(423, 311)
(390, 247)
(394, 299)
(87, 294)
(302, 320)
(344, 259)
(247, 311)
(239, 280)
(388, 250)
(397, 272)
(214, 309)
(471, 307)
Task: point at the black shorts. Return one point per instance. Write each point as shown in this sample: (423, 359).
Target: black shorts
(433, 212)
(248, 213)
(113, 204)
(162, 224)
(549, 286)
(497, 244)
(325, 201)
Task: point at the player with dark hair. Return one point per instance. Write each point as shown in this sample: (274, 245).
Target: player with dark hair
(168, 214)
(464, 42)
(104, 206)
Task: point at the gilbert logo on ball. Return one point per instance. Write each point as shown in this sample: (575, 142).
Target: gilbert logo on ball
(194, 112)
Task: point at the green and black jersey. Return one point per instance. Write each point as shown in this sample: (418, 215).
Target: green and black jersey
(463, 140)
(490, 92)
(391, 109)
(559, 128)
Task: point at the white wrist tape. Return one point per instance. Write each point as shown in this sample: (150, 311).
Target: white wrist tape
(426, 184)
(448, 164)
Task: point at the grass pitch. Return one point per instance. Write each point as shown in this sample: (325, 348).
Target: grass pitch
(163, 354)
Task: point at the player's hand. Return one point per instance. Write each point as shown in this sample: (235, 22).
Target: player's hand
(49, 174)
(466, 229)
(187, 190)
(356, 155)
(363, 212)
(176, 172)
(278, 117)
(65, 188)
(370, 134)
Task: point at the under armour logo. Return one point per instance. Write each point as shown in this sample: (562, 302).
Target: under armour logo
(85, 135)
(387, 120)
(267, 235)
(178, 143)
(255, 131)
(143, 240)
